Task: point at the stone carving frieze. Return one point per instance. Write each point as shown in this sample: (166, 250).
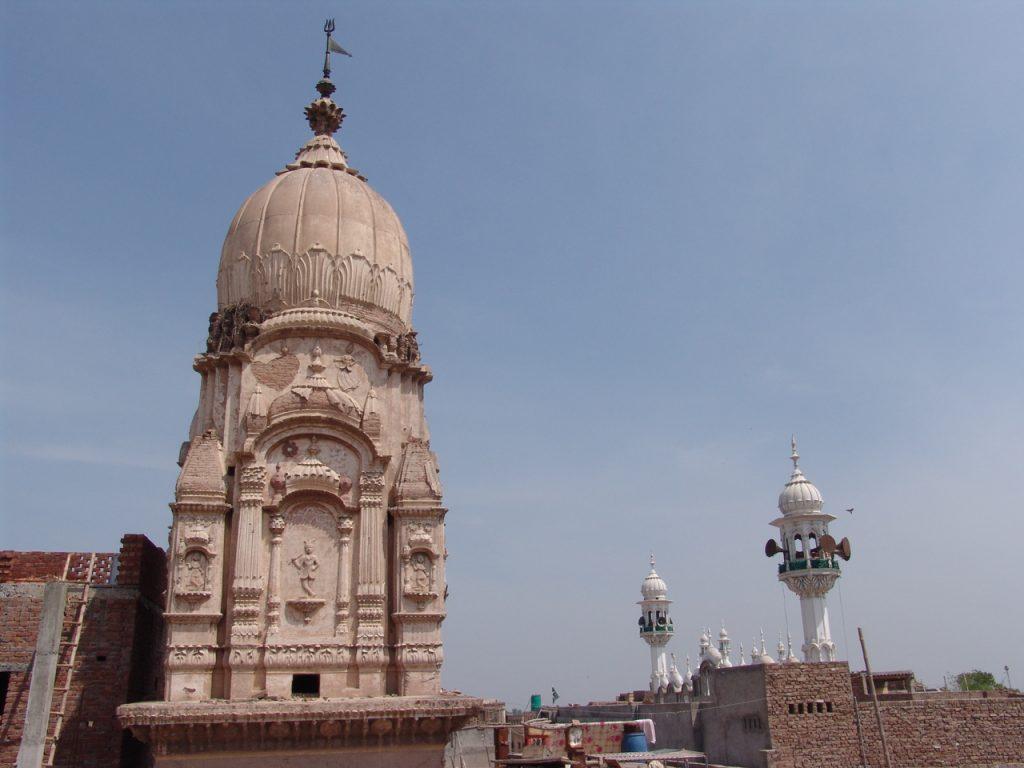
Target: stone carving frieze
(279, 280)
(185, 656)
(307, 655)
(233, 327)
(244, 656)
(428, 654)
(403, 347)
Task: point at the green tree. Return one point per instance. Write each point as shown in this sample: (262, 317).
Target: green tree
(976, 680)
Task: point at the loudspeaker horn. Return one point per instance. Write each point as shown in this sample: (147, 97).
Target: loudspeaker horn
(827, 545)
(844, 548)
(772, 548)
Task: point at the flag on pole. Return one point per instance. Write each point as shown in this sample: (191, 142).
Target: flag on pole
(335, 48)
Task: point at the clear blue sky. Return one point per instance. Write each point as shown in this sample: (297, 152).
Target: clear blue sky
(652, 240)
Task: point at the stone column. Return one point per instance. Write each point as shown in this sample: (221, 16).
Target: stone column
(232, 391)
(274, 576)
(345, 526)
(370, 597)
(247, 585)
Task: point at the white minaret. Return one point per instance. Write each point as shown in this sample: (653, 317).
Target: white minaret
(810, 563)
(656, 626)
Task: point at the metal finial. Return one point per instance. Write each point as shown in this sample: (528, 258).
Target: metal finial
(652, 559)
(328, 29)
(794, 456)
(324, 115)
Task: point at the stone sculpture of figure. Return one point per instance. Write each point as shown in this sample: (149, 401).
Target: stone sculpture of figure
(344, 485)
(420, 567)
(250, 329)
(213, 333)
(227, 329)
(414, 348)
(278, 481)
(306, 564)
(195, 571)
(385, 342)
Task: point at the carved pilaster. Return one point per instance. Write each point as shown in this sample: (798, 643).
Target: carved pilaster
(247, 586)
(370, 591)
(274, 577)
(341, 614)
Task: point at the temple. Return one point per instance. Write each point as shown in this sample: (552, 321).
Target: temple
(307, 549)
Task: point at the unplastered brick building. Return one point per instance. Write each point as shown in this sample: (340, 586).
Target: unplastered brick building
(79, 635)
(804, 715)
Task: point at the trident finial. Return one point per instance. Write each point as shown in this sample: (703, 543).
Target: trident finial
(794, 457)
(328, 29)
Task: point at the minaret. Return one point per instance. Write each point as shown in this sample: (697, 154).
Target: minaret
(656, 626)
(723, 646)
(810, 555)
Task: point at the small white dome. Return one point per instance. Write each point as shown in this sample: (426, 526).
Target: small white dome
(800, 495)
(653, 587)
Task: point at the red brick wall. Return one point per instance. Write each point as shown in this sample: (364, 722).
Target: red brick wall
(19, 617)
(49, 566)
(143, 564)
(118, 658)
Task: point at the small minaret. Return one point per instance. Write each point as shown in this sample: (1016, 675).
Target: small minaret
(656, 626)
(723, 646)
(810, 564)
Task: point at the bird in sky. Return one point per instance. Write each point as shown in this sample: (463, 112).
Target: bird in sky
(850, 510)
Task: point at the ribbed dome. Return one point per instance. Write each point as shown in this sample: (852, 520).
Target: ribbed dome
(800, 495)
(317, 235)
(653, 587)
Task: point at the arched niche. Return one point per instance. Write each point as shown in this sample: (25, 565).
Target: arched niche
(308, 565)
(419, 574)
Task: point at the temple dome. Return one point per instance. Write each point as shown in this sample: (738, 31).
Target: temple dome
(318, 235)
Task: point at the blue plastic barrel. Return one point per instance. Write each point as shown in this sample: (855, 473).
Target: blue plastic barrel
(634, 742)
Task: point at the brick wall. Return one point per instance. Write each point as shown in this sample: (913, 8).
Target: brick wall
(813, 723)
(19, 616)
(49, 566)
(143, 564)
(810, 716)
(947, 732)
(119, 653)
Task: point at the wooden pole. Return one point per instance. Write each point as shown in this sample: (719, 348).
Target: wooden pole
(860, 732)
(874, 698)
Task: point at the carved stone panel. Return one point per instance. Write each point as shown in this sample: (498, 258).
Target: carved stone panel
(308, 577)
(287, 454)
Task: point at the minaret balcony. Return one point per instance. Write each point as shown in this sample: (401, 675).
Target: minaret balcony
(805, 564)
(660, 629)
